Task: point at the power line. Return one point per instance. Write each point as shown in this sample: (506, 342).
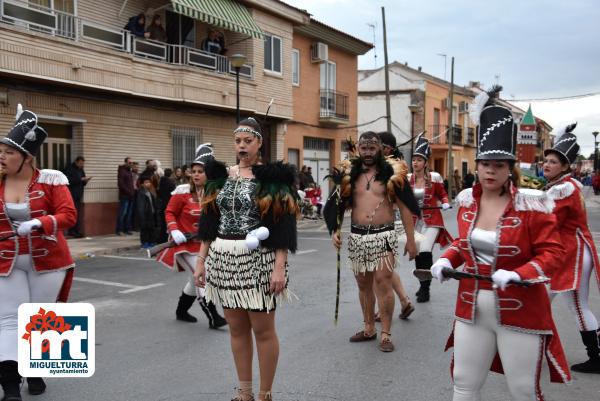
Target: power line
(544, 99)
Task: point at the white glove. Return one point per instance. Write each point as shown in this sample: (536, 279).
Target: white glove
(26, 227)
(445, 206)
(436, 269)
(178, 237)
(503, 277)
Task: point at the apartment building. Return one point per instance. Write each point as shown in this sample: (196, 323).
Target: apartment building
(105, 93)
(324, 79)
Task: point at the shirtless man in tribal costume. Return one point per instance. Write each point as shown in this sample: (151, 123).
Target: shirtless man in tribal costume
(370, 187)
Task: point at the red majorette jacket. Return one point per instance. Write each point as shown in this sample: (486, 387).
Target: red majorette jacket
(183, 214)
(435, 195)
(574, 233)
(50, 202)
(528, 244)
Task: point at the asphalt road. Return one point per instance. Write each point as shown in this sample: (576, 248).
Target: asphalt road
(143, 353)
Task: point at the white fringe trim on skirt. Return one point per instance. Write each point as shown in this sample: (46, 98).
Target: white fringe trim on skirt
(239, 278)
(369, 252)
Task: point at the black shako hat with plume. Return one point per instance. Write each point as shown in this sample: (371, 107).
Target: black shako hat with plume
(565, 144)
(204, 153)
(422, 147)
(26, 135)
(496, 127)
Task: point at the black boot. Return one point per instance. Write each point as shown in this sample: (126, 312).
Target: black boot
(35, 385)
(210, 310)
(185, 303)
(11, 381)
(591, 342)
(424, 261)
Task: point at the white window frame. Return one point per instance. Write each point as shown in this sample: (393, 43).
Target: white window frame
(329, 80)
(271, 70)
(296, 67)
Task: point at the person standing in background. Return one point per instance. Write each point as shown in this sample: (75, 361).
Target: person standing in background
(77, 181)
(126, 184)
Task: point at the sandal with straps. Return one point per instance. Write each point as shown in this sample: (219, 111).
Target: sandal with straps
(386, 344)
(406, 310)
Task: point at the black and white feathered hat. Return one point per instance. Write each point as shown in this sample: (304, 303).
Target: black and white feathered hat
(26, 136)
(422, 147)
(565, 144)
(496, 127)
(204, 153)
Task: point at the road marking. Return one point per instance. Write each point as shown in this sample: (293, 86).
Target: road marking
(130, 288)
(124, 257)
(102, 282)
(146, 287)
(306, 251)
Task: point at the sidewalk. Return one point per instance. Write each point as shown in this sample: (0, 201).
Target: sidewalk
(83, 248)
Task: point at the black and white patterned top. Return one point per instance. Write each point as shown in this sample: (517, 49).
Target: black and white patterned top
(238, 208)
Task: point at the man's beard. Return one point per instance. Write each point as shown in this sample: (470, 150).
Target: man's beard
(370, 161)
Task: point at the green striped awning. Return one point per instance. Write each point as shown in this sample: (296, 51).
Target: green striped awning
(226, 14)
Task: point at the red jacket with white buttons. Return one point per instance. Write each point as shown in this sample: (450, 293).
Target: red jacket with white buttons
(50, 202)
(528, 244)
(183, 214)
(435, 195)
(574, 234)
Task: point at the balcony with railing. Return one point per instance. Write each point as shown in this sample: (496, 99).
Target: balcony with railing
(118, 48)
(439, 134)
(334, 107)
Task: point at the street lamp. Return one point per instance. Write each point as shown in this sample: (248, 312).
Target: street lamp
(237, 61)
(595, 133)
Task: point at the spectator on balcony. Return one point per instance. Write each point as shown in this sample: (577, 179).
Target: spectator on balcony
(137, 26)
(156, 30)
(214, 43)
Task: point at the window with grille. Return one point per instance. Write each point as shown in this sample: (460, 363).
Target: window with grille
(185, 141)
(316, 143)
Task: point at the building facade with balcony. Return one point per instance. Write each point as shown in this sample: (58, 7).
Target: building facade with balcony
(104, 93)
(420, 102)
(324, 79)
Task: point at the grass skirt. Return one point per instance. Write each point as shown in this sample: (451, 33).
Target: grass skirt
(239, 278)
(367, 251)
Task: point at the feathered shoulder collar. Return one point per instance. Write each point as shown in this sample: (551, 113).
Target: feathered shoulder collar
(52, 177)
(181, 189)
(524, 199)
(275, 190)
(562, 188)
(277, 172)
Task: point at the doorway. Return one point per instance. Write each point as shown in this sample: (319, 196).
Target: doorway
(55, 152)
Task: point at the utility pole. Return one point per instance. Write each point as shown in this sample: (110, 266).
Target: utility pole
(451, 129)
(387, 75)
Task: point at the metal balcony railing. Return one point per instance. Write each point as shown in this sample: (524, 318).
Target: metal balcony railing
(334, 104)
(41, 19)
(439, 134)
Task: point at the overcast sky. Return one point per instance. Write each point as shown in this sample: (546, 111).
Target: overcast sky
(534, 48)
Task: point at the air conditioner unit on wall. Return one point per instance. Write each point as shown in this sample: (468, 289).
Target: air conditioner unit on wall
(319, 52)
(463, 107)
(445, 103)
